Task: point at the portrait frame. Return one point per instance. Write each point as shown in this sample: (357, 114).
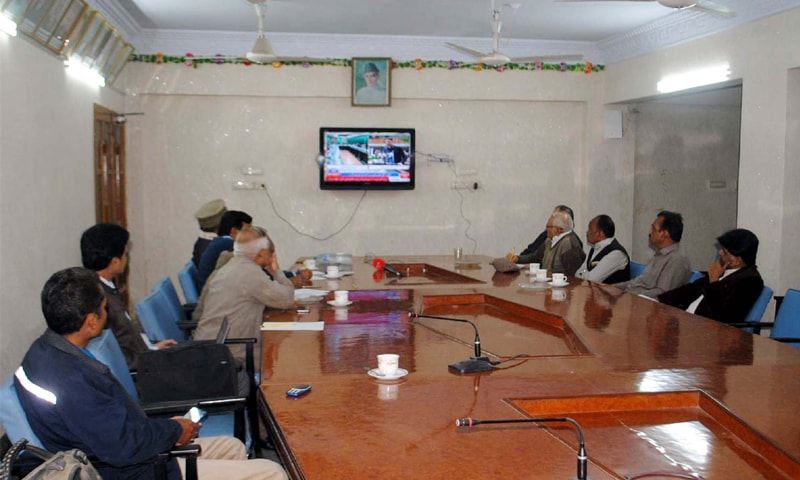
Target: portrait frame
(377, 95)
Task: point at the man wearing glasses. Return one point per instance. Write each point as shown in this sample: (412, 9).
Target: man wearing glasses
(669, 268)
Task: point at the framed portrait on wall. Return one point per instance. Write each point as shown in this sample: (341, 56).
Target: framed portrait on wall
(372, 82)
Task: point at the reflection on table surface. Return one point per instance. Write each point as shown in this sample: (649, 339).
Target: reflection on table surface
(583, 346)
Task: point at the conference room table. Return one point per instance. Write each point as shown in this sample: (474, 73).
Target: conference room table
(657, 392)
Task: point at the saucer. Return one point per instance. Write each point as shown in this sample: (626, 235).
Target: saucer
(333, 277)
(553, 284)
(400, 373)
(545, 279)
(334, 303)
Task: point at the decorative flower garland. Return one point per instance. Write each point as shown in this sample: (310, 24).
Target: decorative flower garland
(190, 61)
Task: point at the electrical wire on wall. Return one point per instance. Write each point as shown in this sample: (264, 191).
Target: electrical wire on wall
(444, 158)
(287, 222)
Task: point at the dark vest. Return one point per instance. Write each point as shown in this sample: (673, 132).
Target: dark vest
(620, 275)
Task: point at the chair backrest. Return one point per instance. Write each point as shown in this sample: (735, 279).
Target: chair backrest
(175, 310)
(156, 317)
(760, 306)
(188, 278)
(787, 322)
(637, 269)
(106, 350)
(12, 415)
(695, 276)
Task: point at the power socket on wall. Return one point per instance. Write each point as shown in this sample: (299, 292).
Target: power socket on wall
(461, 185)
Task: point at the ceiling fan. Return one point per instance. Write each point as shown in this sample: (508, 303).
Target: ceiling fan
(497, 58)
(262, 51)
(702, 5)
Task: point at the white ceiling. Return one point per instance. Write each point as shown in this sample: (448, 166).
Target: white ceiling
(604, 31)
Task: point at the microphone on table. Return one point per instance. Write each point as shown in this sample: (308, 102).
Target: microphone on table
(381, 264)
(582, 457)
(475, 364)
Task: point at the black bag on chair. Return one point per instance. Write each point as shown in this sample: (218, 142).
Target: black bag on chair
(188, 371)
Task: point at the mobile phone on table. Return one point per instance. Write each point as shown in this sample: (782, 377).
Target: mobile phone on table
(298, 390)
(196, 415)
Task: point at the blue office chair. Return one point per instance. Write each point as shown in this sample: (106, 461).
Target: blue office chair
(695, 276)
(757, 312)
(637, 269)
(787, 321)
(188, 279)
(158, 318)
(106, 350)
(12, 416)
(175, 310)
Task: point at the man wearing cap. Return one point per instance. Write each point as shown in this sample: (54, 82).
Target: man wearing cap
(208, 217)
(373, 92)
(731, 286)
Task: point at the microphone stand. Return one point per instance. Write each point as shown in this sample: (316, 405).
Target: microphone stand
(474, 364)
(582, 457)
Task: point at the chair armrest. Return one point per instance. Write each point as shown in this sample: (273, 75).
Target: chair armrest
(180, 407)
(188, 452)
(787, 340)
(752, 324)
(187, 324)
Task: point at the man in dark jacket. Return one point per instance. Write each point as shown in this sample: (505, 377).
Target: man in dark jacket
(731, 286)
(73, 401)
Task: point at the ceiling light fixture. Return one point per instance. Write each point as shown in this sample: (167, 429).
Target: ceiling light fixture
(8, 26)
(695, 78)
(79, 70)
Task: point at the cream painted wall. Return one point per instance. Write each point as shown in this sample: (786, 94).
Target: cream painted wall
(760, 54)
(524, 133)
(46, 183)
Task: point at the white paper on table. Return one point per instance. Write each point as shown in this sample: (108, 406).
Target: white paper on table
(306, 293)
(286, 326)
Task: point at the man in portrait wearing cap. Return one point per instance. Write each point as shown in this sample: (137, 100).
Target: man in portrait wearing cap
(208, 217)
(731, 286)
(374, 91)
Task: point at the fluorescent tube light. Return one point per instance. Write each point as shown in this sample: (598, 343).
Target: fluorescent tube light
(7, 25)
(696, 78)
(79, 70)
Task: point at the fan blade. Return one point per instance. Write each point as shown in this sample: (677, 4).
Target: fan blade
(466, 50)
(714, 9)
(546, 57)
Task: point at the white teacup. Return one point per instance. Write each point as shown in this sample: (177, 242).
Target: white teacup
(332, 270)
(340, 296)
(559, 279)
(388, 363)
(534, 268)
(310, 263)
(541, 275)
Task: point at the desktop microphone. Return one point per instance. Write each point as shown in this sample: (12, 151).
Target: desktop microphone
(475, 364)
(381, 264)
(582, 457)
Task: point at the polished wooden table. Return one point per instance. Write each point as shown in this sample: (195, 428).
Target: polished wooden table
(654, 388)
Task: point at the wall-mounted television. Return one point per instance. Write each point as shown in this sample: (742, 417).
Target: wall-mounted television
(366, 158)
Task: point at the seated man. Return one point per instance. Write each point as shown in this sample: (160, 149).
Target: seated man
(538, 242)
(208, 217)
(240, 290)
(607, 262)
(73, 401)
(562, 252)
(731, 286)
(669, 268)
(230, 224)
(104, 249)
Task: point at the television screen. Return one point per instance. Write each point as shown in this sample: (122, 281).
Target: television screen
(366, 158)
